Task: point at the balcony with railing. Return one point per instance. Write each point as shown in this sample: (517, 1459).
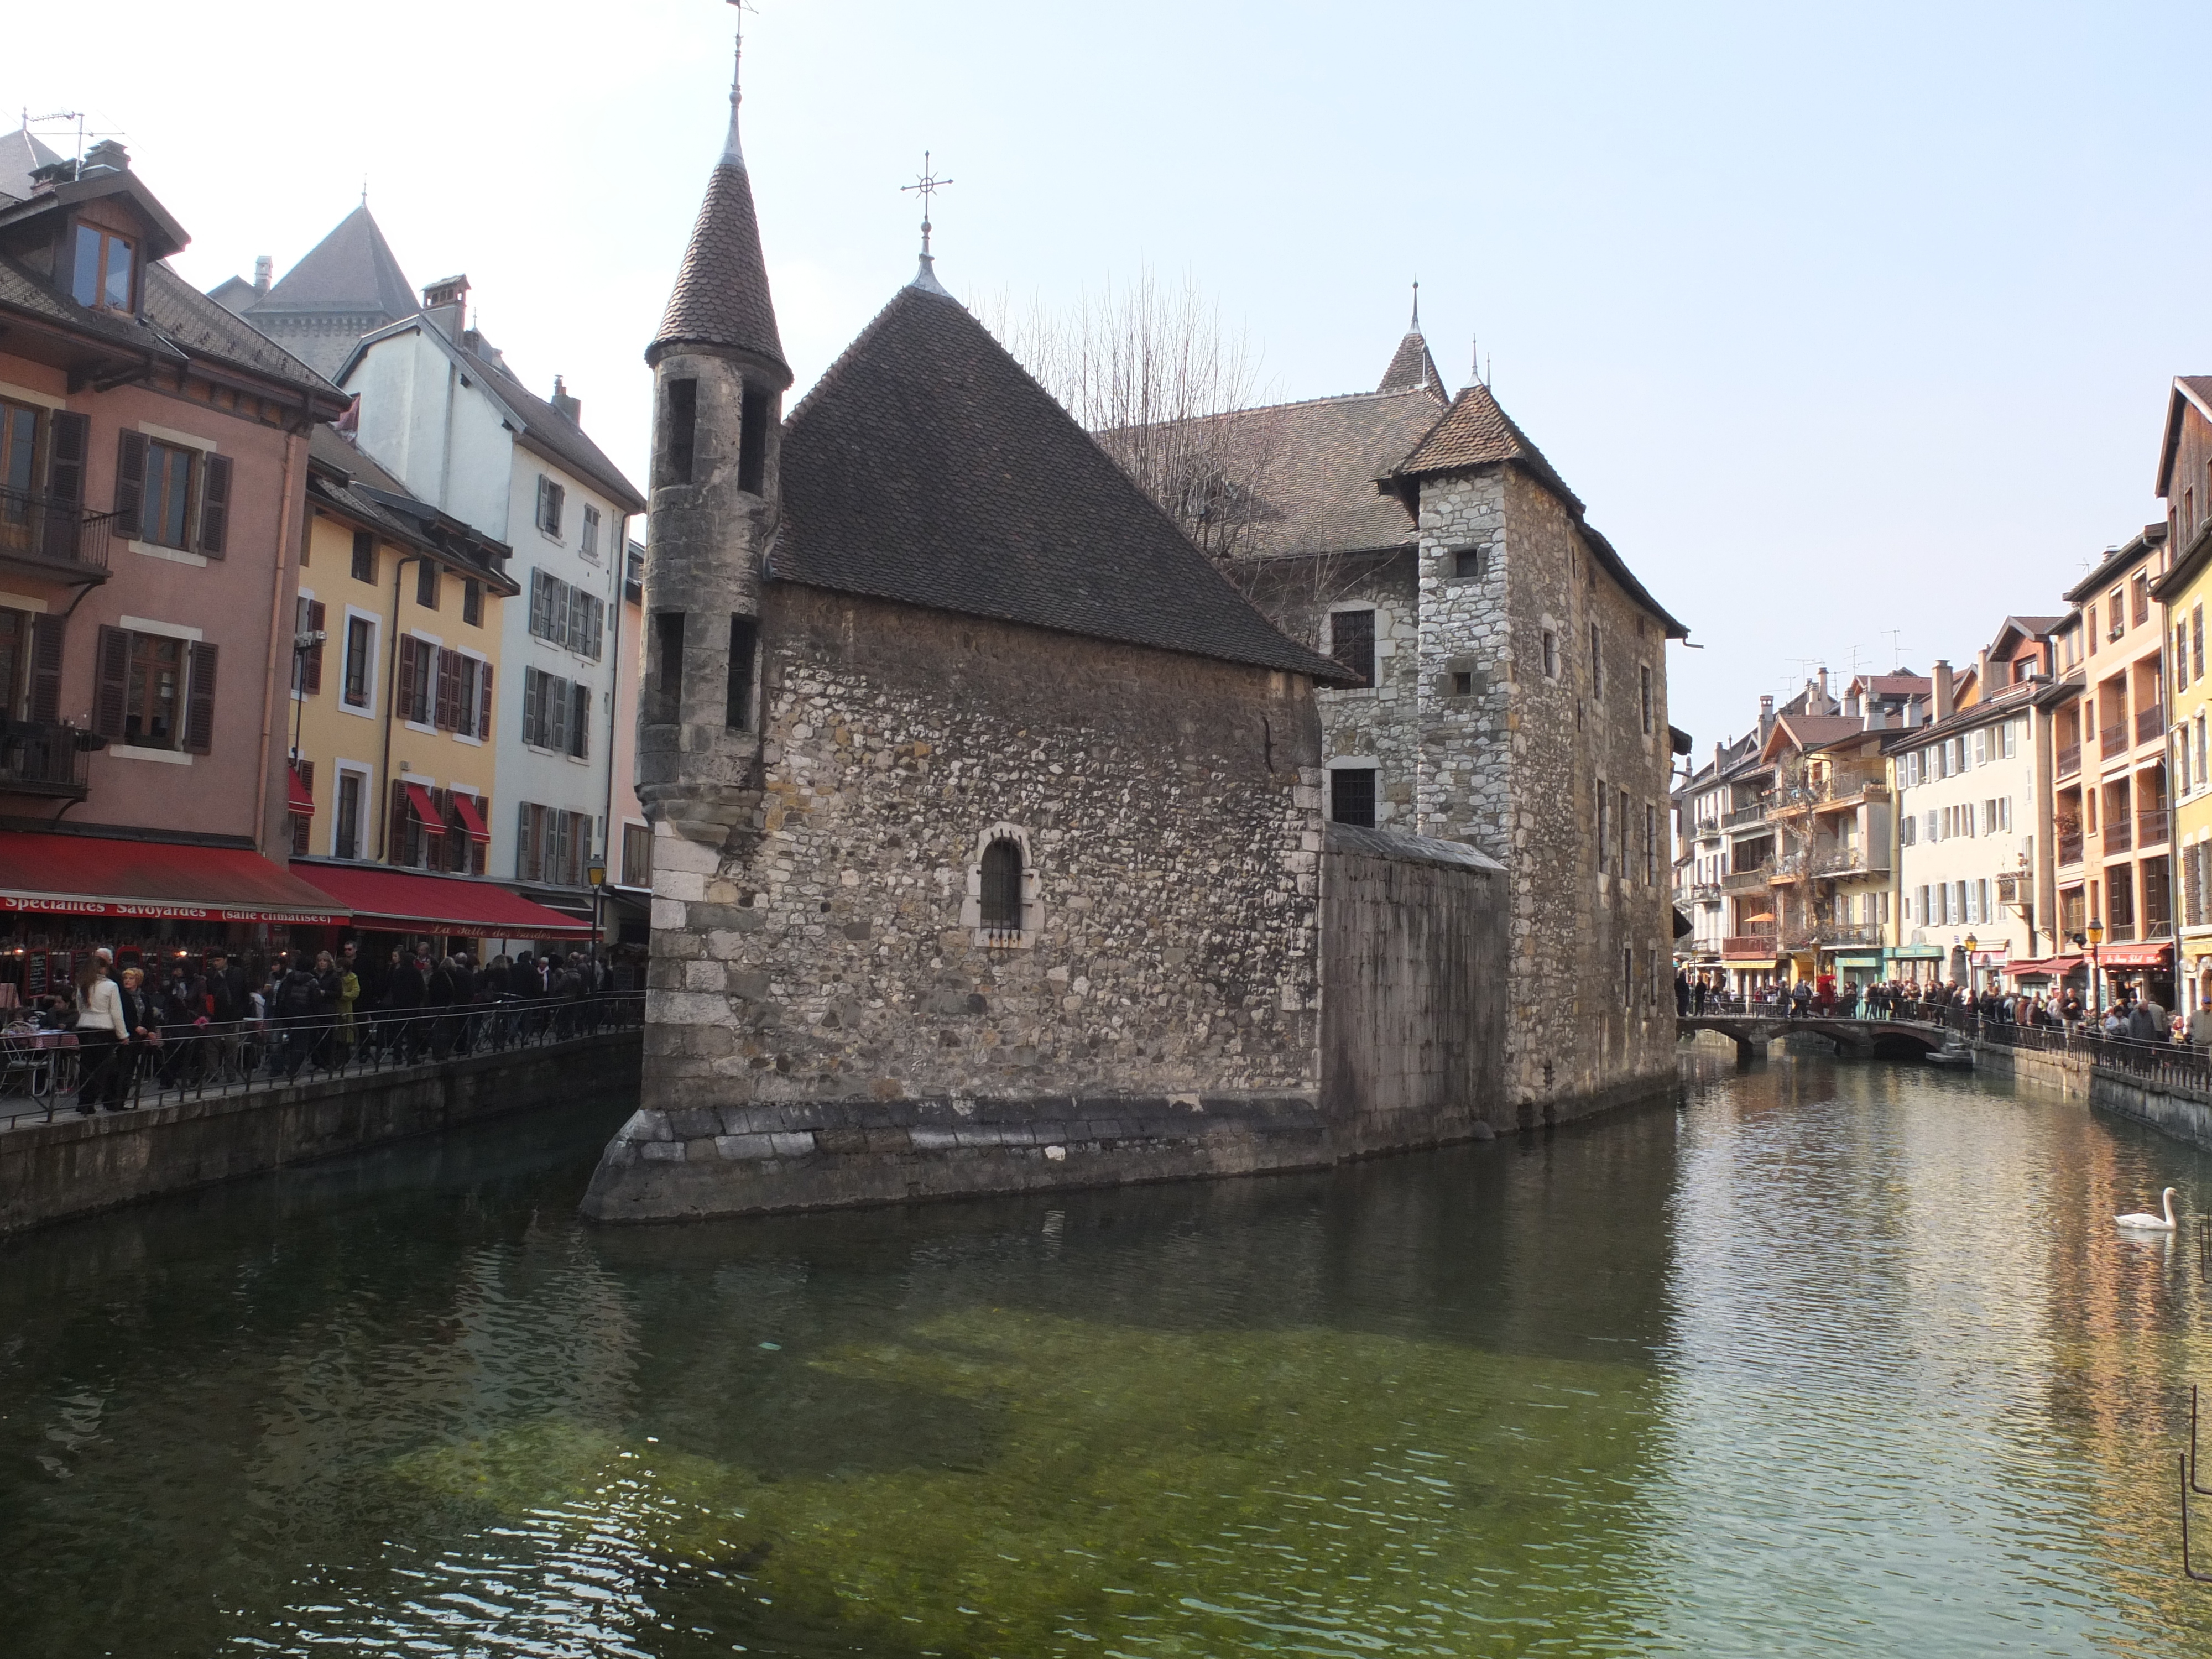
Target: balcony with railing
(38, 758)
(2150, 724)
(2119, 835)
(1755, 946)
(41, 537)
(1740, 881)
(2152, 826)
(2070, 759)
(1755, 814)
(2112, 741)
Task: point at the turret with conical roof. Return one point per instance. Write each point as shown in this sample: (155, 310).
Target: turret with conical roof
(1412, 368)
(718, 379)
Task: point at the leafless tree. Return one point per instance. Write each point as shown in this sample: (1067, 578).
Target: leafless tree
(1168, 391)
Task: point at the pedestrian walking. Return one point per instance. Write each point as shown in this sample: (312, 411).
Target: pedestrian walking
(100, 1030)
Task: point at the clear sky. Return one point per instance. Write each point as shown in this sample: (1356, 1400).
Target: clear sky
(1842, 320)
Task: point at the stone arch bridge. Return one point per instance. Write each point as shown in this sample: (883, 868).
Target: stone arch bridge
(1898, 1039)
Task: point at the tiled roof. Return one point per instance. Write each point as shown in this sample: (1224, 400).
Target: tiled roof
(926, 467)
(21, 155)
(351, 270)
(721, 296)
(1412, 368)
(1313, 466)
(1476, 432)
(352, 483)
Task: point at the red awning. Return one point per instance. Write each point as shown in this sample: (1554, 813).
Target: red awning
(2055, 967)
(104, 876)
(437, 904)
(2135, 956)
(471, 820)
(303, 804)
(426, 810)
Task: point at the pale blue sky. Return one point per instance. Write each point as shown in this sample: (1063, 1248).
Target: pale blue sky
(1840, 321)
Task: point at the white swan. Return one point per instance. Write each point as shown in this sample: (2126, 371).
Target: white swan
(2164, 1224)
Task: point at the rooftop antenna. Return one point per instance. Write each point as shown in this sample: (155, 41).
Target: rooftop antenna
(77, 116)
(1895, 636)
(927, 185)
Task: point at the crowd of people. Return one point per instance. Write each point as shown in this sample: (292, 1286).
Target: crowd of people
(227, 1019)
(2132, 1013)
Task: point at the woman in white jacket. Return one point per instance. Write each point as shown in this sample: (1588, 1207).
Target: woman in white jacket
(100, 1036)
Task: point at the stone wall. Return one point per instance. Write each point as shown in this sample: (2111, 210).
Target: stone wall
(1517, 770)
(1413, 1002)
(1170, 808)
(76, 1166)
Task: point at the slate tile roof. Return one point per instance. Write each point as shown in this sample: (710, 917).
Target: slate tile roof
(1412, 368)
(1312, 467)
(351, 270)
(351, 482)
(1476, 432)
(721, 296)
(928, 467)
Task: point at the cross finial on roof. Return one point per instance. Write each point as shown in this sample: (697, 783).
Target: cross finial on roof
(928, 185)
(1415, 327)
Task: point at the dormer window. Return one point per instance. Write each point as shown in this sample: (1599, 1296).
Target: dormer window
(101, 277)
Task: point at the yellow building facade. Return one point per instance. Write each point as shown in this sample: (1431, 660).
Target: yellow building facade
(396, 660)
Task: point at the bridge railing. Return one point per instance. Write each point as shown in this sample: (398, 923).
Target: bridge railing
(46, 1071)
(2175, 1063)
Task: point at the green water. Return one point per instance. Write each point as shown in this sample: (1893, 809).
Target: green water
(1835, 1359)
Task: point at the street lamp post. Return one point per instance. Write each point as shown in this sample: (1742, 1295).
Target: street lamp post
(596, 871)
(1971, 944)
(2096, 970)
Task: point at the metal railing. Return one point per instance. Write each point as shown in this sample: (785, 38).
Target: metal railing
(2070, 759)
(37, 758)
(2113, 740)
(2069, 849)
(1737, 881)
(39, 1073)
(1758, 946)
(38, 527)
(2150, 724)
(2175, 1063)
(2151, 826)
(2118, 834)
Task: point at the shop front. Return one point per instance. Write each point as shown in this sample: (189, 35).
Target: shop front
(150, 901)
(2049, 976)
(2141, 969)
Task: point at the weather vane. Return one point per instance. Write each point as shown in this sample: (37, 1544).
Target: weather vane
(929, 184)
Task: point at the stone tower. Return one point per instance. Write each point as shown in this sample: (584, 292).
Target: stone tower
(718, 379)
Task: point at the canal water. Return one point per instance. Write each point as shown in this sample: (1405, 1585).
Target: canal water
(1833, 1359)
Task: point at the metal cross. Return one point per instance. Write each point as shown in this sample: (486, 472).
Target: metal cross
(928, 185)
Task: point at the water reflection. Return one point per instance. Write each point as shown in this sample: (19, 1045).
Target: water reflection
(1836, 1359)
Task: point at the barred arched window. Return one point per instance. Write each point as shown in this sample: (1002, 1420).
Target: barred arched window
(1002, 887)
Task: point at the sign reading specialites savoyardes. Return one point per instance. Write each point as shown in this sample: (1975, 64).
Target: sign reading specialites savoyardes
(151, 910)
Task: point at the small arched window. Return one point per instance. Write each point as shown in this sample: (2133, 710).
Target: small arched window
(1002, 888)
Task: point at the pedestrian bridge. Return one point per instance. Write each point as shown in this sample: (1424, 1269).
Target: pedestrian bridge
(1905, 1039)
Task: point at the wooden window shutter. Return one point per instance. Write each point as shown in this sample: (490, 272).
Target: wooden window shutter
(214, 506)
(114, 683)
(580, 732)
(311, 664)
(395, 851)
(483, 701)
(46, 634)
(199, 701)
(447, 715)
(129, 482)
(71, 436)
(403, 694)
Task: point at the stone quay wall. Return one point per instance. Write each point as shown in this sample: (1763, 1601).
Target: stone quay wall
(77, 1166)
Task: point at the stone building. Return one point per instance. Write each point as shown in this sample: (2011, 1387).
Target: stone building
(349, 284)
(1512, 698)
(989, 834)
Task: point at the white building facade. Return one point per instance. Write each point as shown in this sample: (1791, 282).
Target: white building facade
(1968, 807)
(439, 409)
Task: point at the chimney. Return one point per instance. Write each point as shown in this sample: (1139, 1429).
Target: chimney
(446, 303)
(1766, 718)
(1824, 692)
(1982, 674)
(571, 409)
(263, 269)
(1851, 705)
(1877, 717)
(106, 156)
(1941, 675)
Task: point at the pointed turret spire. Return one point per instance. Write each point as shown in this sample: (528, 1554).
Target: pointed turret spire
(1412, 368)
(733, 152)
(721, 295)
